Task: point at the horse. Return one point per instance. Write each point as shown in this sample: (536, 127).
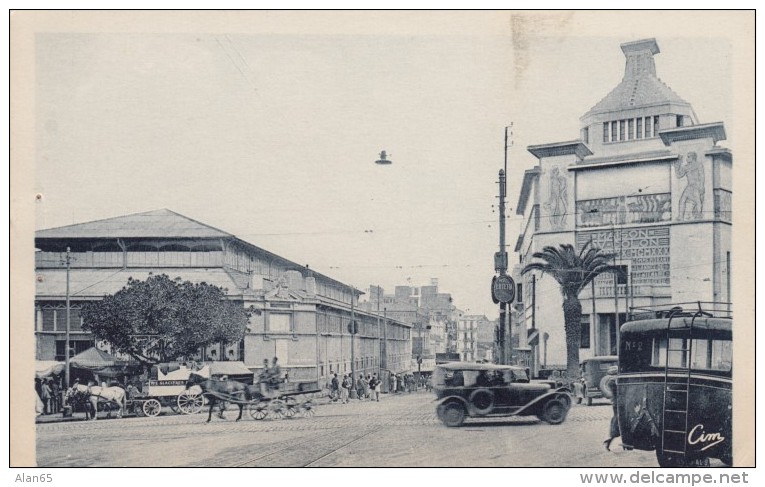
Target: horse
(222, 390)
(80, 399)
(94, 394)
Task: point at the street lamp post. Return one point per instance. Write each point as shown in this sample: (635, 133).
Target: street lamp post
(68, 320)
(352, 330)
(379, 337)
(616, 282)
(384, 362)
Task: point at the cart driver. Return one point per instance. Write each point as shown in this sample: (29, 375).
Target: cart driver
(275, 374)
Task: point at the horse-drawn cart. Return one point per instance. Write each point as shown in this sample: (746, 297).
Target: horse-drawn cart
(264, 399)
(166, 386)
(285, 400)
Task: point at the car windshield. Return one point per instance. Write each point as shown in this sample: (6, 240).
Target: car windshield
(520, 376)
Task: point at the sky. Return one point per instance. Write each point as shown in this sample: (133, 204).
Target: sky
(269, 129)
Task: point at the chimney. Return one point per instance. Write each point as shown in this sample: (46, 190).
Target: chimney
(639, 56)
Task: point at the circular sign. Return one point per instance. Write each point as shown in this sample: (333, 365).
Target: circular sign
(503, 289)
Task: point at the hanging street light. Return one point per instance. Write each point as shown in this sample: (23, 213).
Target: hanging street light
(383, 160)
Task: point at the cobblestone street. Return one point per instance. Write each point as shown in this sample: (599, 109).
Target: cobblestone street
(399, 431)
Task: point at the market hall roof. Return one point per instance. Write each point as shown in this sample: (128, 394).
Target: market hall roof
(162, 223)
(168, 224)
(640, 87)
(96, 283)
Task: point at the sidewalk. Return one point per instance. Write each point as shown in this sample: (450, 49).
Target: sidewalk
(58, 418)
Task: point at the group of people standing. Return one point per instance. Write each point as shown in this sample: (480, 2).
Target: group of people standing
(407, 383)
(366, 387)
(370, 386)
(49, 392)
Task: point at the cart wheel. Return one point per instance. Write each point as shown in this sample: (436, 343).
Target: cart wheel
(292, 407)
(308, 409)
(258, 410)
(189, 402)
(278, 409)
(152, 407)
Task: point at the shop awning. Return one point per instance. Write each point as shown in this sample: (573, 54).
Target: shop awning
(47, 368)
(229, 368)
(94, 358)
(102, 363)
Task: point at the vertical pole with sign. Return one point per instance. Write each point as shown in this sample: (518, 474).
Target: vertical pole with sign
(500, 263)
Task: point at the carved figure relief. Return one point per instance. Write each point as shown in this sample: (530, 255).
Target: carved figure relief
(692, 199)
(556, 203)
(282, 287)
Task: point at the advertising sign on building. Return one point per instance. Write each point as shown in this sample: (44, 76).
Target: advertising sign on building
(645, 251)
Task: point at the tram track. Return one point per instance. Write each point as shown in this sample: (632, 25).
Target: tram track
(294, 454)
(373, 430)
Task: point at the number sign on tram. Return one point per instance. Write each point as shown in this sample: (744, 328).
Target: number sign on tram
(503, 289)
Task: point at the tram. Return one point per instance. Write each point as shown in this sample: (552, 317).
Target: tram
(674, 387)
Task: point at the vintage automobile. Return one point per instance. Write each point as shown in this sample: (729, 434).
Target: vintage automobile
(486, 390)
(556, 378)
(593, 377)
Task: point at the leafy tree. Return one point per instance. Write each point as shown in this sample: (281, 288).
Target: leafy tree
(573, 271)
(162, 319)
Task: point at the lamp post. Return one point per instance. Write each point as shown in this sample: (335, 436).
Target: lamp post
(352, 330)
(68, 262)
(379, 337)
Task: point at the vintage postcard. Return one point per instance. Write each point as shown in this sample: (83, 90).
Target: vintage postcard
(382, 239)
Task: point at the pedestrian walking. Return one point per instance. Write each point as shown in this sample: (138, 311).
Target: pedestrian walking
(360, 387)
(613, 427)
(394, 384)
(335, 388)
(367, 386)
(346, 389)
(374, 386)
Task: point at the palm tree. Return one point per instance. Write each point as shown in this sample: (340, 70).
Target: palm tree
(573, 271)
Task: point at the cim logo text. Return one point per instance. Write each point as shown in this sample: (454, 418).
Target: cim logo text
(698, 436)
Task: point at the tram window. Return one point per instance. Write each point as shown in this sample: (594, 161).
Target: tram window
(677, 356)
(701, 354)
(712, 355)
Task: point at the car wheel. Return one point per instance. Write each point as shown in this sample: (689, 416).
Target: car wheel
(604, 385)
(554, 411)
(482, 401)
(453, 414)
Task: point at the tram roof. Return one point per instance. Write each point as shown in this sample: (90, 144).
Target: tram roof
(678, 323)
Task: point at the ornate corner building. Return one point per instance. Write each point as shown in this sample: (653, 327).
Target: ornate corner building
(644, 180)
